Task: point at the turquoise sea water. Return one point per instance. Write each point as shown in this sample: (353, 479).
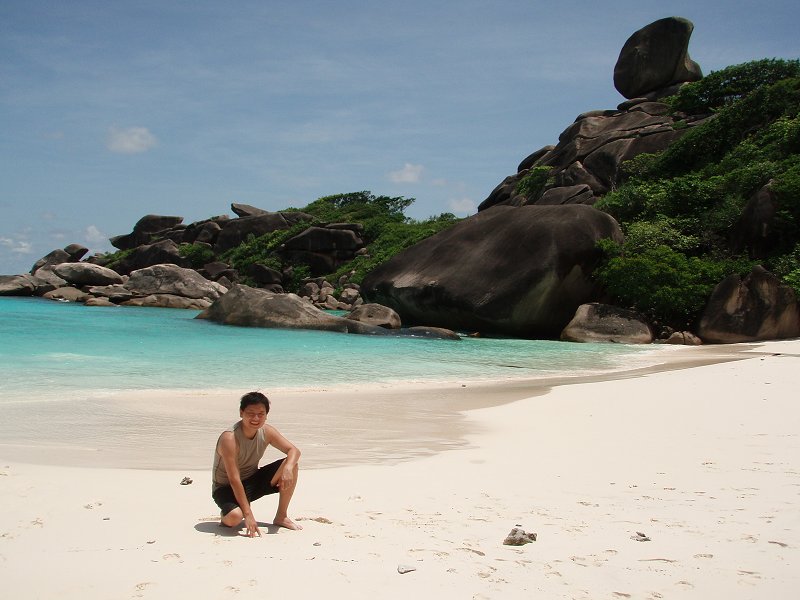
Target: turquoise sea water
(53, 349)
(152, 388)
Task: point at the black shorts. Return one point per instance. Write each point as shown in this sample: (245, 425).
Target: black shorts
(255, 487)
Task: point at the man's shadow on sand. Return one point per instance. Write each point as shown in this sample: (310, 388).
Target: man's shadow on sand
(216, 528)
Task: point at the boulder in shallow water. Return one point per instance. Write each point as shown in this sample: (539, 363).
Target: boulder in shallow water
(67, 294)
(18, 285)
(376, 314)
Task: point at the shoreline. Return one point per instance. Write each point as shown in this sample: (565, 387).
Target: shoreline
(703, 461)
(176, 429)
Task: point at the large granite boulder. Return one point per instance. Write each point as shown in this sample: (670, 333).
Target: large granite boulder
(71, 253)
(251, 307)
(66, 294)
(323, 248)
(756, 308)
(246, 210)
(586, 162)
(517, 271)
(146, 230)
(596, 322)
(656, 57)
(169, 301)
(158, 253)
(236, 231)
(18, 285)
(172, 280)
(49, 277)
(116, 293)
(79, 274)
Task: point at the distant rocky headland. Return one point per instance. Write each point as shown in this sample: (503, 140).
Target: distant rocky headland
(673, 218)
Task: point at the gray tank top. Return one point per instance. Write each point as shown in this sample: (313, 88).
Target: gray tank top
(248, 454)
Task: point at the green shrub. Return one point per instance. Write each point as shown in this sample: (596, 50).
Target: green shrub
(641, 236)
(666, 286)
(787, 267)
(196, 254)
(722, 87)
(735, 122)
(533, 183)
(115, 258)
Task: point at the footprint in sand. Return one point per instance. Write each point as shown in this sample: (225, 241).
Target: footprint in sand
(141, 587)
(173, 556)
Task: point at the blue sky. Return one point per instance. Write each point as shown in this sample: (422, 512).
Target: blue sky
(110, 110)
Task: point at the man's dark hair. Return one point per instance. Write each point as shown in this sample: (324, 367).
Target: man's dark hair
(251, 398)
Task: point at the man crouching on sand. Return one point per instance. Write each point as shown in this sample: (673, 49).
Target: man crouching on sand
(236, 478)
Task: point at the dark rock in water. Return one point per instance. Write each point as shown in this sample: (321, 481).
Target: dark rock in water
(517, 271)
(656, 57)
(433, 333)
(115, 293)
(169, 301)
(604, 323)
(80, 274)
(251, 307)
(758, 307)
(68, 294)
(98, 301)
(18, 285)
(376, 314)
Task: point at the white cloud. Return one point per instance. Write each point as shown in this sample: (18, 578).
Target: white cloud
(132, 140)
(16, 246)
(93, 235)
(408, 174)
(462, 206)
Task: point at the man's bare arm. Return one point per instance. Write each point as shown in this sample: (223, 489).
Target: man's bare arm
(285, 474)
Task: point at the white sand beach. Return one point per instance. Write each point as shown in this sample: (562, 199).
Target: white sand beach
(703, 461)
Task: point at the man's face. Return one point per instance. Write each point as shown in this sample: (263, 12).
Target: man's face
(254, 415)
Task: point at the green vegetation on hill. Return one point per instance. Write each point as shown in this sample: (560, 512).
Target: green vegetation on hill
(387, 231)
(681, 210)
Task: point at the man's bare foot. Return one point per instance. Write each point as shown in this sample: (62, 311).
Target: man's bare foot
(287, 523)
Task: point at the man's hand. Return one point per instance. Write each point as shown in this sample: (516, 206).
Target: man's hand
(282, 477)
(252, 526)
